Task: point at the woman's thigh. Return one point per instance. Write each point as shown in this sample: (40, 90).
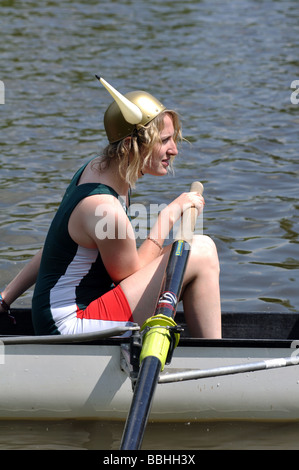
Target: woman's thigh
(143, 287)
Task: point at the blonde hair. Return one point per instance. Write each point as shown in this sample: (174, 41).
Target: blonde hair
(133, 153)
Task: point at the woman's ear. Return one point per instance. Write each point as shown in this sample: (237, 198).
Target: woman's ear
(127, 142)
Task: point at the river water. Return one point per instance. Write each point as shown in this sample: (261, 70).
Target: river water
(229, 68)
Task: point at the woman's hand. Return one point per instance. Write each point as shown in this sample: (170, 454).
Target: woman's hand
(2, 309)
(176, 208)
(173, 212)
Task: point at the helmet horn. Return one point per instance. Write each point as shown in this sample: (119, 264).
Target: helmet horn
(129, 110)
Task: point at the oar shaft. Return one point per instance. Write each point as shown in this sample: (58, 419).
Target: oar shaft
(141, 403)
(151, 365)
(173, 279)
(156, 341)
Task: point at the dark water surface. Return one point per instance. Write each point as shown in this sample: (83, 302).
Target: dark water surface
(97, 435)
(227, 67)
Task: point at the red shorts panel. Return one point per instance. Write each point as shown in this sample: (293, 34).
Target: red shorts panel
(112, 306)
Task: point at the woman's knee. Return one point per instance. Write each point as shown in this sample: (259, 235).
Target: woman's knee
(204, 252)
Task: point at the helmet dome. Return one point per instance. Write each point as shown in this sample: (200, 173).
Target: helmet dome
(128, 111)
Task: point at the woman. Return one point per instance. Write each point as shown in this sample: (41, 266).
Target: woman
(88, 278)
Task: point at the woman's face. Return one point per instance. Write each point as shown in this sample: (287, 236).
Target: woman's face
(159, 163)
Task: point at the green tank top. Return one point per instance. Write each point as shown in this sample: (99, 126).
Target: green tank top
(70, 276)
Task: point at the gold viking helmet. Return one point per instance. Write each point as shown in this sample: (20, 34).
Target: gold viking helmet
(128, 111)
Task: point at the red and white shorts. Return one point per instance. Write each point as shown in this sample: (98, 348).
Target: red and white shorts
(108, 311)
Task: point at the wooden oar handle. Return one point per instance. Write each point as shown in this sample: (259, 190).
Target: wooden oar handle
(188, 220)
(196, 187)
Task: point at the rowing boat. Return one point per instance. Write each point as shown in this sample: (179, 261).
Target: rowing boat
(241, 376)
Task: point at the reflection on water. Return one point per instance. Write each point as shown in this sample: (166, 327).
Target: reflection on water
(95, 435)
(227, 67)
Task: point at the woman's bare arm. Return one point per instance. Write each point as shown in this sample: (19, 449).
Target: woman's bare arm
(23, 280)
(100, 221)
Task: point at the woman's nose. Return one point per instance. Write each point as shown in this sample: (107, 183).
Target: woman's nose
(173, 148)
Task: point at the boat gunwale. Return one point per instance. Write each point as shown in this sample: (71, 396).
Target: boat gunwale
(184, 343)
(242, 330)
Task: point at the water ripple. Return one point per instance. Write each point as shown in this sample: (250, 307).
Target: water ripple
(226, 68)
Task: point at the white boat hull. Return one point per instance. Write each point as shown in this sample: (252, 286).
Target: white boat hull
(87, 382)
